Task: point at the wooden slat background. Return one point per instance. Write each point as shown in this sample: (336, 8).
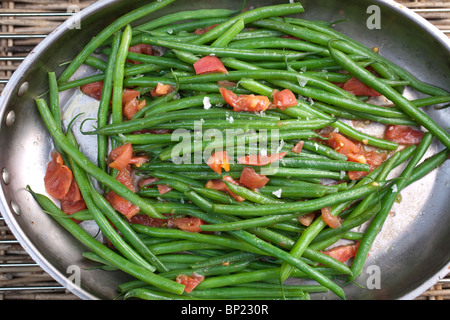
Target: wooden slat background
(20, 277)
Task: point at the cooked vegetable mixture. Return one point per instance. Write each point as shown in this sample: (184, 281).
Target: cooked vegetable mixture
(230, 158)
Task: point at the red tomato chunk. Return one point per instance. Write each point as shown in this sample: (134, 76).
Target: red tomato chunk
(402, 134)
(209, 64)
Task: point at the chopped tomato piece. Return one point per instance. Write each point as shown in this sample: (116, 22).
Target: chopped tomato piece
(307, 219)
(138, 161)
(356, 87)
(219, 160)
(343, 253)
(73, 194)
(125, 177)
(145, 220)
(329, 219)
(204, 30)
(226, 84)
(161, 90)
(221, 186)
(284, 99)
(122, 205)
(120, 156)
(250, 178)
(190, 282)
(245, 102)
(128, 95)
(209, 64)
(140, 48)
(130, 109)
(298, 147)
(374, 159)
(403, 134)
(261, 160)
(346, 147)
(191, 224)
(58, 177)
(71, 207)
(162, 188)
(147, 181)
(93, 90)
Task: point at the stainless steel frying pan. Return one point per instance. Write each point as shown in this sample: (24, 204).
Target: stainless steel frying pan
(410, 254)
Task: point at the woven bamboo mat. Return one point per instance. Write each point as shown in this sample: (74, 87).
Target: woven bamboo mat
(21, 29)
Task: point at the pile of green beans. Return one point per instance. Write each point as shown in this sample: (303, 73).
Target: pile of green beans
(245, 249)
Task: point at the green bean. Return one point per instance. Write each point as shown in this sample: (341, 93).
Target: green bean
(248, 293)
(119, 72)
(103, 109)
(325, 164)
(195, 101)
(403, 103)
(188, 26)
(113, 258)
(228, 35)
(55, 107)
(293, 192)
(226, 258)
(215, 195)
(96, 63)
(107, 32)
(246, 124)
(167, 20)
(249, 223)
(386, 205)
(90, 167)
(251, 195)
(181, 245)
(281, 43)
(255, 54)
(148, 294)
(180, 234)
(249, 17)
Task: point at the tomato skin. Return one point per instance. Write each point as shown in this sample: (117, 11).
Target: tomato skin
(356, 87)
(329, 219)
(58, 177)
(204, 30)
(191, 224)
(122, 205)
(250, 178)
(209, 64)
(343, 253)
(125, 177)
(93, 90)
(260, 160)
(298, 147)
(219, 160)
(346, 147)
(245, 102)
(148, 221)
(284, 99)
(190, 282)
(307, 219)
(120, 156)
(141, 48)
(403, 134)
(162, 188)
(162, 90)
